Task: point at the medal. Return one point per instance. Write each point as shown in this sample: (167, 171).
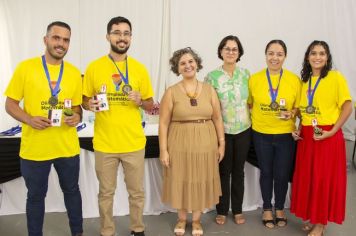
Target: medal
(273, 92)
(53, 101)
(310, 95)
(274, 105)
(126, 89)
(193, 102)
(118, 78)
(310, 109)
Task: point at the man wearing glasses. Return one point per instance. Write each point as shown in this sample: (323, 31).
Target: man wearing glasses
(51, 90)
(115, 87)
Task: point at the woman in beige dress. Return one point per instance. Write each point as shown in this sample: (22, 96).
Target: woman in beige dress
(191, 138)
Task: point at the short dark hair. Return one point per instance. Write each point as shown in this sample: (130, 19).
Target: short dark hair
(232, 38)
(174, 61)
(117, 20)
(307, 70)
(277, 41)
(58, 23)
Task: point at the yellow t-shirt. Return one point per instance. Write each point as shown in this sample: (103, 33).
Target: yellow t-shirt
(29, 83)
(264, 119)
(329, 96)
(119, 129)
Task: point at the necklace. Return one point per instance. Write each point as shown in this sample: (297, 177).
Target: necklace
(192, 97)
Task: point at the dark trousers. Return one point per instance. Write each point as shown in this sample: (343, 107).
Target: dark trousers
(232, 167)
(275, 154)
(36, 175)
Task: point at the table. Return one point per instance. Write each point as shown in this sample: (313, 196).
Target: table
(13, 196)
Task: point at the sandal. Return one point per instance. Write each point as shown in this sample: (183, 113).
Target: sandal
(307, 226)
(268, 223)
(317, 230)
(239, 219)
(179, 229)
(197, 229)
(281, 221)
(220, 219)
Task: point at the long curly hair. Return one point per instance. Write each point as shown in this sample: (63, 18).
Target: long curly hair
(306, 71)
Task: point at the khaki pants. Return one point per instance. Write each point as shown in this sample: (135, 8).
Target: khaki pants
(106, 166)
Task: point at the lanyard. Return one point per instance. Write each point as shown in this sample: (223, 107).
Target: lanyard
(311, 93)
(12, 131)
(272, 93)
(56, 89)
(125, 78)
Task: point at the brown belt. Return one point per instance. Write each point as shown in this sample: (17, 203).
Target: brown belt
(192, 121)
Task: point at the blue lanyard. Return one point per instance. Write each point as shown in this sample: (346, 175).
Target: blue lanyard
(272, 93)
(311, 94)
(125, 78)
(56, 90)
(12, 131)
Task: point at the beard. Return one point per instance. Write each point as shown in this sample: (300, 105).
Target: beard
(117, 50)
(53, 53)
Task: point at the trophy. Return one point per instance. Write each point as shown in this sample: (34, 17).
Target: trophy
(68, 112)
(317, 131)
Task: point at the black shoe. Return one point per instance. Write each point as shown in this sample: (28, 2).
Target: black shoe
(133, 233)
(268, 223)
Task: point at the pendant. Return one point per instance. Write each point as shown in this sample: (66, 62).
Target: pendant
(310, 109)
(126, 89)
(193, 102)
(53, 101)
(274, 105)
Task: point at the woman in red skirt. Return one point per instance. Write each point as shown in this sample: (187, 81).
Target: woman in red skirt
(319, 182)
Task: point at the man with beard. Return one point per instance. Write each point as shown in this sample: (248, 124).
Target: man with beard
(48, 86)
(115, 87)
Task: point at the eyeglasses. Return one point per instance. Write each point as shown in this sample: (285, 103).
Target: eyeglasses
(231, 50)
(118, 33)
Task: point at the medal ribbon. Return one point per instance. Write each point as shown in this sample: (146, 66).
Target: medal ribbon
(125, 78)
(272, 93)
(56, 90)
(311, 94)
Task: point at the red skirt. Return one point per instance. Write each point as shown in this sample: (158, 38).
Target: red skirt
(319, 181)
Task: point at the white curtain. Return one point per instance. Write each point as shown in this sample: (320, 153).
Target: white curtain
(163, 26)
(5, 67)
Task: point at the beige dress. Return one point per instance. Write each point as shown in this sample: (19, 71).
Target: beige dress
(192, 181)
